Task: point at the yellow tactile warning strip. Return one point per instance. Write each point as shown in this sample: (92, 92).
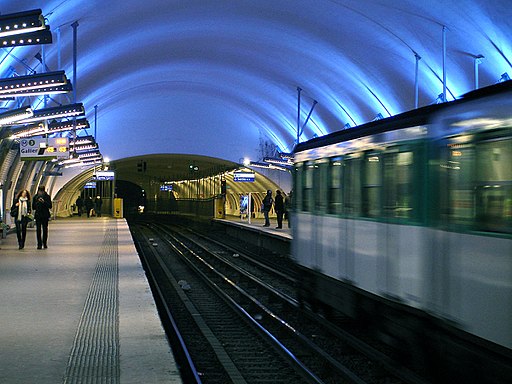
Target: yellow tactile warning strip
(94, 357)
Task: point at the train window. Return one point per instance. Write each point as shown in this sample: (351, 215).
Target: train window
(459, 167)
(352, 183)
(494, 186)
(372, 184)
(307, 187)
(335, 186)
(398, 185)
(320, 186)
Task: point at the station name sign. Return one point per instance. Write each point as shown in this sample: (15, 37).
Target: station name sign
(166, 186)
(104, 175)
(243, 177)
(40, 148)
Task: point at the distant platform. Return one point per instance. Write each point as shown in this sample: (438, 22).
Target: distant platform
(80, 311)
(257, 225)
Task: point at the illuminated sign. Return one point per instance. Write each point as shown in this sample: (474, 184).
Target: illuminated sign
(243, 177)
(39, 148)
(166, 186)
(90, 185)
(104, 175)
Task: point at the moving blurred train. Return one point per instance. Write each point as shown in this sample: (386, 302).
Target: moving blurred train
(413, 214)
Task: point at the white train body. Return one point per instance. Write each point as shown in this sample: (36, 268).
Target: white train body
(420, 214)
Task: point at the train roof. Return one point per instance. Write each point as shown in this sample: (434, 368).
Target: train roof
(410, 118)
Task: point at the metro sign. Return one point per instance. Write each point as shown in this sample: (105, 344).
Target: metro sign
(40, 148)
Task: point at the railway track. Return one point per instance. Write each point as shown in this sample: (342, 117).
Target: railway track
(225, 344)
(266, 297)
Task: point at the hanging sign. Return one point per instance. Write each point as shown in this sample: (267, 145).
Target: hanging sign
(40, 148)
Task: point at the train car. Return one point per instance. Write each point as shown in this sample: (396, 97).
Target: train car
(413, 214)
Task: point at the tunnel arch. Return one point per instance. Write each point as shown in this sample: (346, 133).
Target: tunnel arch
(149, 172)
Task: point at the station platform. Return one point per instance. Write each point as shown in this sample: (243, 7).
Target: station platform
(284, 233)
(80, 311)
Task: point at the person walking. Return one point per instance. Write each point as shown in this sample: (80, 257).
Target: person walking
(42, 205)
(279, 208)
(20, 210)
(98, 202)
(79, 205)
(267, 206)
(89, 205)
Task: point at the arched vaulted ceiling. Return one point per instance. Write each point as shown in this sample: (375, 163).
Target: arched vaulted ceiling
(212, 77)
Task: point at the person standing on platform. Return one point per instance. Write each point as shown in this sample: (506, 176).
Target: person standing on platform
(79, 205)
(89, 205)
(98, 202)
(267, 206)
(21, 209)
(279, 208)
(42, 205)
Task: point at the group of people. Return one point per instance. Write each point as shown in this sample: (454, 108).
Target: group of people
(21, 211)
(92, 206)
(280, 206)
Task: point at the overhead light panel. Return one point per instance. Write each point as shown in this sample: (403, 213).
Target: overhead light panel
(83, 140)
(28, 131)
(15, 115)
(54, 127)
(31, 85)
(84, 147)
(40, 92)
(89, 154)
(21, 23)
(70, 110)
(68, 125)
(32, 38)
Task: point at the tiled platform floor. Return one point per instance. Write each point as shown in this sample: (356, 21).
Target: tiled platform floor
(81, 310)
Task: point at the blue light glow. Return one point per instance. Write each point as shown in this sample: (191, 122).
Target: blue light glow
(210, 77)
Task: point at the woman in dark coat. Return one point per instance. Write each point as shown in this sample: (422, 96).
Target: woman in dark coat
(21, 209)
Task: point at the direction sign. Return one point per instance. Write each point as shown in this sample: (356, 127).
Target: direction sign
(40, 148)
(243, 177)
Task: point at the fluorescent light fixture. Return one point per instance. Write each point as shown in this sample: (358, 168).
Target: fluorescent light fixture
(54, 127)
(84, 147)
(255, 164)
(275, 161)
(21, 23)
(32, 38)
(95, 160)
(39, 92)
(15, 115)
(83, 140)
(89, 154)
(22, 85)
(28, 130)
(67, 125)
(71, 110)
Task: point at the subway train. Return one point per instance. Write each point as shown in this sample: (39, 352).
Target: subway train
(412, 214)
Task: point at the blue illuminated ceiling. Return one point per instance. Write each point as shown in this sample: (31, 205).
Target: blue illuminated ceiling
(212, 77)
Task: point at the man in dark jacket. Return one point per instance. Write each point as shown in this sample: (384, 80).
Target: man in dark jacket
(79, 205)
(42, 204)
(267, 206)
(279, 208)
(89, 205)
(98, 202)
